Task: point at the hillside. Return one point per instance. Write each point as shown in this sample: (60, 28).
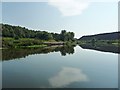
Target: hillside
(103, 36)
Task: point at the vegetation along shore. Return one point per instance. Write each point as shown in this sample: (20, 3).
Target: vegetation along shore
(21, 37)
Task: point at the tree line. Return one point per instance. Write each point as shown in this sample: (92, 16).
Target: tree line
(22, 32)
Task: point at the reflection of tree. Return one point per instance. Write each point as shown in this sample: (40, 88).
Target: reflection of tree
(67, 49)
(104, 48)
(8, 54)
(93, 41)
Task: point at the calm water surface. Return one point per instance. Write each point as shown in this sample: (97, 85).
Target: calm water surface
(71, 67)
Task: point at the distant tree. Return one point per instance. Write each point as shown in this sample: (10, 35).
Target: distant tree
(22, 32)
(63, 35)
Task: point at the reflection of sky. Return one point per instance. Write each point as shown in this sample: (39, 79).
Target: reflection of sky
(67, 76)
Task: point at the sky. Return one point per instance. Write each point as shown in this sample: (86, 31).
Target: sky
(82, 18)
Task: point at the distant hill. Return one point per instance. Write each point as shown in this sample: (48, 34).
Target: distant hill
(103, 36)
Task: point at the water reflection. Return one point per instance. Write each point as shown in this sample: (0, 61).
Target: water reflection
(53, 70)
(9, 54)
(104, 48)
(67, 76)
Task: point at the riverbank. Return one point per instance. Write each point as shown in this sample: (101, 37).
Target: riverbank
(31, 43)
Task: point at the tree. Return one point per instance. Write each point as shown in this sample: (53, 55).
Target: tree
(22, 32)
(63, 35)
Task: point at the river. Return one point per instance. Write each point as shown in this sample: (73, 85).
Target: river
(59, 67)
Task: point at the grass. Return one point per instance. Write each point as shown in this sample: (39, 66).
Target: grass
(24, 43)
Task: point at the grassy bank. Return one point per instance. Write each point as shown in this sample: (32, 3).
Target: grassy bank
(25, 43)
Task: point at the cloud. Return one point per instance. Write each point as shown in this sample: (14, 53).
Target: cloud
(67, 76)
(69, 7)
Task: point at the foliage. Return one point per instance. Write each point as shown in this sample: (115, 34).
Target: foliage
(22, 32)
(23, 42)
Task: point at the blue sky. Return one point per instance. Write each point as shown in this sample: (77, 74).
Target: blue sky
(82, 18)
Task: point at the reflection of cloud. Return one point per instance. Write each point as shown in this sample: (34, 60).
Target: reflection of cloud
(66, 76)
(69, 7)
